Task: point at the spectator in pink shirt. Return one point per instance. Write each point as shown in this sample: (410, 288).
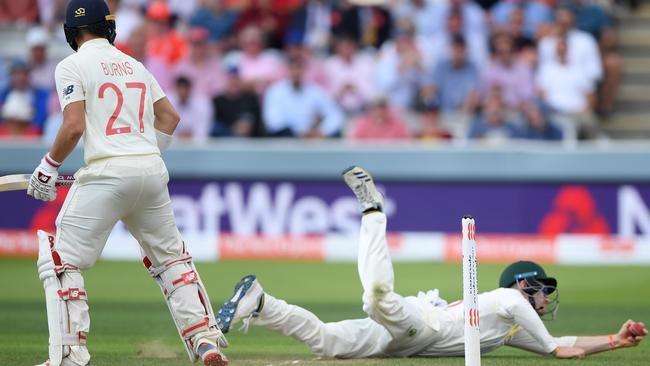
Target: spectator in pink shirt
(204, 70)
(508, 73)
(258, 67)
(194, 109)
(379, 123)
(350, 76)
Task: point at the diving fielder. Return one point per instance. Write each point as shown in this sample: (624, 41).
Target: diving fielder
(424, 325)
(118, 107)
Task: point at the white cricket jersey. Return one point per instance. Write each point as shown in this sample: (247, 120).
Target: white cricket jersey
(505, 318)
(119, 94)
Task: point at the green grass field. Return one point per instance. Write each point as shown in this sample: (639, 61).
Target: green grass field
(130, 321)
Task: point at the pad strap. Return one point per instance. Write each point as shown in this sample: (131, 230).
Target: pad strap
(200, 326)
(156, 271)
(72, 293)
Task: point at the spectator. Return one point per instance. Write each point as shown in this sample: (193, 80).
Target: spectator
(184, 9)
(535, 14)
(590, 17)
(440, 45)
(17, 114)
(163, 41)
(370, 26)
(202, 67)
(262, 13)
(430, 128)
(582, 48)
(295, 108)
(455, 83)
(536, 126)
(568, 91)
(20, 82)
(421, 12)
(314, 66)
(471, 14)
(491, 124)
(136, 47)
(379, 123)
(21, 12)
(593, 19)
(193, 108)
(524, 45)
(512, 76)
(349, 76)
(401, 67)
(313, 24)
(237, 111)
(258, 67)
(214, 17)
(42, 70)
(127, 19)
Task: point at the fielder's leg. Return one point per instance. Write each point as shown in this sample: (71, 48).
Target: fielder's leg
(401, 318)
(346, 339)
(151, 221)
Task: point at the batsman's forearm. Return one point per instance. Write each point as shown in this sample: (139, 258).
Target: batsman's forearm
(65, 142)
(596, 344)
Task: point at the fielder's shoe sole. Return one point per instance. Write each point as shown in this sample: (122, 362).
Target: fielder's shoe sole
(363, 186)
(240, 305)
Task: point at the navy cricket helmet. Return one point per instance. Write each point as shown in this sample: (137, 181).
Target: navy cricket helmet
(524, 270)
(91, 15)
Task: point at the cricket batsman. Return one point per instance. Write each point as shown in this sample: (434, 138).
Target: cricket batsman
(118, 107)
(425, 325)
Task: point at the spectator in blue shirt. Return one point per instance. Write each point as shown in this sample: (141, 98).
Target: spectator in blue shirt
(536, 14)
(20, 82)
(294, 107)
(492, 124)
(218, 20)
(456, 80)
(537, 126)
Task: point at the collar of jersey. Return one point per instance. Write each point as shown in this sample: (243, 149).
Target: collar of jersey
(94, 42)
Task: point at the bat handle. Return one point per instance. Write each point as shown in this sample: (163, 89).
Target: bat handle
(65, 180)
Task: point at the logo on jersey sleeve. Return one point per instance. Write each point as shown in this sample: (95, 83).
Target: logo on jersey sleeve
(68, 90)
(81, 12)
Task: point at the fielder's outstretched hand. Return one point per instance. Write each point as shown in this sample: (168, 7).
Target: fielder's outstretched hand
(42, 185)
(631, 334)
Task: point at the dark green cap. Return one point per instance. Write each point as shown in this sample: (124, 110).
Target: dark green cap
(524, 269)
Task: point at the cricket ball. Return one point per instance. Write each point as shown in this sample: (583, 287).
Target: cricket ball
(636, 329)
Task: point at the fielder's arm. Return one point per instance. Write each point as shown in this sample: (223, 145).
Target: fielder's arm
(630, 335)
(73, 127)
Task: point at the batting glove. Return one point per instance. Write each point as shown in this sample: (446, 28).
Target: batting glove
(42, 185)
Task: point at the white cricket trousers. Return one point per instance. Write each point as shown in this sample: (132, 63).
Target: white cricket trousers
(131, 189)
(395, 325)
(134, 190)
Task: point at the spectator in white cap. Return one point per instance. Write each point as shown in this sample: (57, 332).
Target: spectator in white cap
(17, 115)
(42, 70)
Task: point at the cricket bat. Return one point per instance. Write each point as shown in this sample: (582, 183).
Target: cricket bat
(18, 182)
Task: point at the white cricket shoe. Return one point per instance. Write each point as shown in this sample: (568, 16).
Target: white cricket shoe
(211, 355)
(364, 188)
(246, 303)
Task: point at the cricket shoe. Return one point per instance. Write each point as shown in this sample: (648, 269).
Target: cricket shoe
(246, 303)
(364, 188)
(211, 355)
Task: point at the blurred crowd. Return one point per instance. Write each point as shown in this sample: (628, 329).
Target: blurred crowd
(407, 69)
